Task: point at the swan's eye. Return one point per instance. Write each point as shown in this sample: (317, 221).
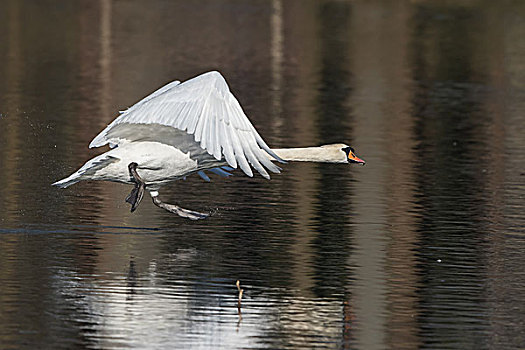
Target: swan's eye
(347, 150)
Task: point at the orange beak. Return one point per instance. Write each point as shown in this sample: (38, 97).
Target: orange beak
(352, 158)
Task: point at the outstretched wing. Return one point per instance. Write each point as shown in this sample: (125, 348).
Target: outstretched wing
(203, 107)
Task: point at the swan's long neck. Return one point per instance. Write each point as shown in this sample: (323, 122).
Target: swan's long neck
(307, 154)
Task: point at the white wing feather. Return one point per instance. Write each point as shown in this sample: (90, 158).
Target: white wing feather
(205, 107)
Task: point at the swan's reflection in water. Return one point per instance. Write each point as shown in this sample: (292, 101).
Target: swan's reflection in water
(139, 311)
(158, 300)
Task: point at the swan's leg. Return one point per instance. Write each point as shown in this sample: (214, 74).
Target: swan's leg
(172, 208)
(137, 192)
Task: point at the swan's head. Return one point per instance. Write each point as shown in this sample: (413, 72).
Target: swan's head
(345, 153)
(351, 157)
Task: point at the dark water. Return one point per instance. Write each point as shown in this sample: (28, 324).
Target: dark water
(424, 247)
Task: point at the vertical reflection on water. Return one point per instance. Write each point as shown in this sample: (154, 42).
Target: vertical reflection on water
(451, 169)
(333, 117)
(11, 142)
(506, 281)
(391, 35)
(370, 94)
(276, 50)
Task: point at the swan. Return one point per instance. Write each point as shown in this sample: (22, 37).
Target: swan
(186, 128)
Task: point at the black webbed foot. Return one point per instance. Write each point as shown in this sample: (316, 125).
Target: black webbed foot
(137, 192)
(175, 209)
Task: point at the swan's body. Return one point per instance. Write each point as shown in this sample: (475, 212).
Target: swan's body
(186, 128)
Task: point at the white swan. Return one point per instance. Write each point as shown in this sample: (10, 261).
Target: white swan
(184, 128)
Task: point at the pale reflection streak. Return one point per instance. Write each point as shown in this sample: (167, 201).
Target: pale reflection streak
(402, 280)
(105, 58)
(369, 290)
(276, 50)
(302, 128)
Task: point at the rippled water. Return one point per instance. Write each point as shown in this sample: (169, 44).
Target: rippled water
(421, 248)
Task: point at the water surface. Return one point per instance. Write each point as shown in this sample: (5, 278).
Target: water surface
(421, 248)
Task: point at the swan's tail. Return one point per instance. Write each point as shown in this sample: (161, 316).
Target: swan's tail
(68, 181)
(87, 171)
